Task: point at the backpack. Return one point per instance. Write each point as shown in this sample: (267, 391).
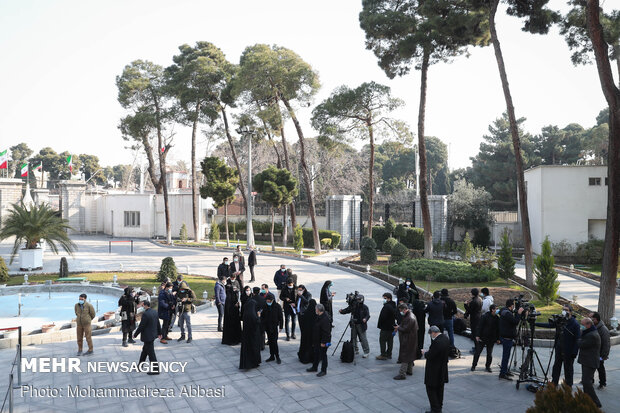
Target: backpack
(347, 355)
(459, 326)
(454, 353)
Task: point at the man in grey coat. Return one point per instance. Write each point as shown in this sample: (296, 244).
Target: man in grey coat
(589, 355)
(605, 346)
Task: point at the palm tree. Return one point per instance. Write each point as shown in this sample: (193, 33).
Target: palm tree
(31, 224)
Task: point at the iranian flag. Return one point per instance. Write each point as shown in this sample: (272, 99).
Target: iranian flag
(40, 167)
(4, 159)
(25, 169)
(70, 162)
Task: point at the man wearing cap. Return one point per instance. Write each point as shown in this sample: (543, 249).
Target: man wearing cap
(408, 336)
(436, 370)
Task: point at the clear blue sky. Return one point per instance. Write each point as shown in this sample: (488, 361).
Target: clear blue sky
(60, 59)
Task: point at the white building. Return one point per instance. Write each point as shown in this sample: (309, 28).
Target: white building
(566, 203)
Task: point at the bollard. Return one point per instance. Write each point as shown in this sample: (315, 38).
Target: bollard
(154, 290)
(114, 280)
(26, 279)
(11, 392)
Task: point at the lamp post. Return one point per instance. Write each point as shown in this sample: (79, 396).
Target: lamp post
(249, 133)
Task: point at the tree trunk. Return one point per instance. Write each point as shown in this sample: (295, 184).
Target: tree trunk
(371, 182)
(426, 214)
(516, 143)
(148, 150)
(234, 155)
(617, 51)
(226, 223)
(273, 245)
(607, 295)
(306, 175)
(285, 227)
(194, 186)
(286, 162)
(162, 170)
(270, 137)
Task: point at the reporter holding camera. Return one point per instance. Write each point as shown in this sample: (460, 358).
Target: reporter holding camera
(508, 323)
(359, 319)
(566, 344)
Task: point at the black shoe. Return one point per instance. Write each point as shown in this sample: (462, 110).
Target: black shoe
(125, 344)
(278, 360)
(131, 341)
(409, 373)
(272, 358)
(321, 374)
(189, 340)
(311, 369)
(219, 329)
(293, 337)
(473, 368)
(89, 353)
(488, 370)
(510, 374)
(181, 338)
(288, 338)
(504, 377)
(601, 386)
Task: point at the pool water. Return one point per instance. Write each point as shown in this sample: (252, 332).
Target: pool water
(45, 308)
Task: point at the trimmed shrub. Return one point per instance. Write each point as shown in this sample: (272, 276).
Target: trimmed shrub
(378, 234)
(505, 261)
(4, 271)
(562, 399)
(298, 238)
(214, 231)
(390, 225)
(388, 244)
(64, 268)
(400, 232)
(399, 252)
(183, 233)
(414, 238)
(467, 249)
(323, 233)
(336, 237)
(326, 243)
(368, 253)
(547, 282)
(590, 252)
(168, 269)
(442, 271)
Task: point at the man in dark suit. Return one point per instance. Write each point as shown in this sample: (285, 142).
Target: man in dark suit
(436, 370)
(149, 329)
(252, 262)
(237, 267)
(321, 340)
(589, 357)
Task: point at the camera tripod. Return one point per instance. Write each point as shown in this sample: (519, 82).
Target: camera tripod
(343, 333)
(527, 372)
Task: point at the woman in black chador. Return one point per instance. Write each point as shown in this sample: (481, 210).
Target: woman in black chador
(326, 299)
(232, 321)
(245, 296)
(306, 325)
(249, 357)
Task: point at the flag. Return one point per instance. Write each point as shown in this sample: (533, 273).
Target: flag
(25, 169)
(40, 167)
(4, 159)
(70, 162)
(163, 149)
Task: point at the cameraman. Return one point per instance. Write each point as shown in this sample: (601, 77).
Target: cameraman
(359, 318)
(566, 344)
(508, 323)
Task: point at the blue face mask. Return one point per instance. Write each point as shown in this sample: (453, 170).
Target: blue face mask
(402, 313)
(497, 311)
(262, 291)
(81, 301)
(384, 300)
(269, 303)
(331, 285)
(582, 327)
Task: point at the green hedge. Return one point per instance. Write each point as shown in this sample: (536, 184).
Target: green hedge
(413, 238)
(388, 244)
(399, 252)
(262, 227)
(323, 233)
(442, 271)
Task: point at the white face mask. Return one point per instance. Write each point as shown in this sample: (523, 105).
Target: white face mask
(408, 283)
(564, 313)
(384, 300)
(248, 292)
(402, 313)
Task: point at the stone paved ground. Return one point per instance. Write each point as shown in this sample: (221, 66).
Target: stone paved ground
(366, 386)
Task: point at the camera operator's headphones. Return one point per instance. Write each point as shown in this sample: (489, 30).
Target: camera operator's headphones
(360, 299)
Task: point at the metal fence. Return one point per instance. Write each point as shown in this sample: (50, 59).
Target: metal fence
(17, 361)
(402, 213)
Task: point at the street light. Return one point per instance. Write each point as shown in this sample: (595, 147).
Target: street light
(249, 133)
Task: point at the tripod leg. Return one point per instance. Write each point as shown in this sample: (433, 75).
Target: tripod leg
(341, 337)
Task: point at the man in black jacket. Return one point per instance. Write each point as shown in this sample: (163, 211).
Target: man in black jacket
(589, 357)
(386, 323)
(486, 336)
(436, 370)
(238, 268)
(252, 262)
(435, 310)
(321, 340)
(272, 321)
(507, 332)
(473, 310)
(360, 315)
(449, 311)
(603, 331)
(149, 329)
(288, 297)
(223, 270)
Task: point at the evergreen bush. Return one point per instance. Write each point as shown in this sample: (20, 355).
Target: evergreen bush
(298, 238)
(388, 244)
(467, 249)
(552, 399)
(400, 232)
(399, 252)
(214, 232)
(168, 269)
(326, 243)
(183, 233)
(64, 268)
(4, 271)
(442, 271)
(505, 261)
(547, 282)
(368, 253)
(390, 226)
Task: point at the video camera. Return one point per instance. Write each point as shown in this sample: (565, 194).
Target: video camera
(558, 321)
(354, 298)
(529, 310)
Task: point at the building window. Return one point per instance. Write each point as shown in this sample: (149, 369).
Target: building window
(606, 181)
(180, 184)
(594, 181)
(132, 218)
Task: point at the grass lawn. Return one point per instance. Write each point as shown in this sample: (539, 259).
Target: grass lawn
(593, 268)
(264, 247)
(143, 280)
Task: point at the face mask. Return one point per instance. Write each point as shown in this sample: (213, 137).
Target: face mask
(563, 313)
(269, 303)
(225, 262)
(169, 290)
(384, 300)
(497, 311)
(582, 327)
(182, 291)
(402, 313)
(290, 286)
(262, 291)
(247, 292)
(236, 259)
(481, 295)
(81, 301)
(282, 269)
(299, 292)
(331, 285)
(408, 283)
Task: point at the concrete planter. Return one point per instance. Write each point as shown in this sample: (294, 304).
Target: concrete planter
(30, 259)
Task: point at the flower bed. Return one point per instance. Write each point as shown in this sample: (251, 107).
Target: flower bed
(442, 271)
